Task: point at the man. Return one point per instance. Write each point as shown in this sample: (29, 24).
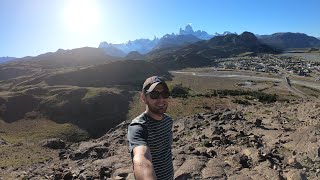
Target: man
(150, 134)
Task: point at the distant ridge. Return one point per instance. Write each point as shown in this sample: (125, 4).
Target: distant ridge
(118, 73)
(6, 59)
(69, 58)
(245, 39)
(61, 59)
(111, 49)
(72, 58)
(173, 40)
(224, 33)
(134, 55)
(290, 40)
(140, 45)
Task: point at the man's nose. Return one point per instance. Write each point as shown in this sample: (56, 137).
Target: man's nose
(161, 98)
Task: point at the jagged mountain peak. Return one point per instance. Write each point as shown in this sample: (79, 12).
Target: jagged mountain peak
(188, 30)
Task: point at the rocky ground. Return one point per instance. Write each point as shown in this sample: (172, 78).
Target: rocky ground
(281, 141)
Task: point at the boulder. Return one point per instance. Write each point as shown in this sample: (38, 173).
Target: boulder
(3, 142)
(214, 169)
(295, 174)
(53, 143)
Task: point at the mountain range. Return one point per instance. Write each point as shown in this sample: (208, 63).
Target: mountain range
(171, 52)
(188, 36)
(92, 67)
(140, 45)
(143, 46)
(204, 53)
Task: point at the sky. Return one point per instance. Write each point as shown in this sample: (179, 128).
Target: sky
(33, 27)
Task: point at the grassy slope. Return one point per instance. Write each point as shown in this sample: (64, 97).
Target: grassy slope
(24, 138)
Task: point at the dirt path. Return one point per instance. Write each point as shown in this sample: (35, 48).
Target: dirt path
(294, 90)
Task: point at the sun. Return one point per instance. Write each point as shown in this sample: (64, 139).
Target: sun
(81, 16)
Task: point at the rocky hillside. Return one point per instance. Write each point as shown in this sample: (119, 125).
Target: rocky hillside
(93, 110)
(93, 98)
(224, 144)
(120, 73)
(9, 72)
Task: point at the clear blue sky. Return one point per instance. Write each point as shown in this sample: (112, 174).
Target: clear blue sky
(33, 27)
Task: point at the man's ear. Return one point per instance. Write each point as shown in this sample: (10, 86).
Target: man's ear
(143, 97)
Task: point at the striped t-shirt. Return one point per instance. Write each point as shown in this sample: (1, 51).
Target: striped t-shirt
(157, 135)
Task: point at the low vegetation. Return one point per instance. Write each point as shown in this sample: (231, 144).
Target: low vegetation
(179, 90)
(309, 90)
(24, 139)
(34, 131)
(240, 101)
(261, 96)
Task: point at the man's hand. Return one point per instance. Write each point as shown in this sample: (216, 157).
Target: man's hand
(142, 164)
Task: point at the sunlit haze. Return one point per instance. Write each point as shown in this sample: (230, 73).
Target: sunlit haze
(33, 27)
(82, 16)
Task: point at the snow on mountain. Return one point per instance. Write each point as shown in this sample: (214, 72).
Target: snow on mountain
(110, 49)
(143, 46)
(174, 40)
(224, 33)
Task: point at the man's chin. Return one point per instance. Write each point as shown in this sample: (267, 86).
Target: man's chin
(160, 111)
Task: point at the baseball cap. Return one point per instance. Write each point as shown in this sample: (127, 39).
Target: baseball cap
(151, 82)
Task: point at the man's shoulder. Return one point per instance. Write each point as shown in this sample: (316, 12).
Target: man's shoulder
(167, 117)
(141, 119)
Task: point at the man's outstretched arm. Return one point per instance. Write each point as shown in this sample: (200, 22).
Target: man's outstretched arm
(142, 163)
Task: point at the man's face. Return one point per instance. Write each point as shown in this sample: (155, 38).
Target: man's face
(159, 105)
